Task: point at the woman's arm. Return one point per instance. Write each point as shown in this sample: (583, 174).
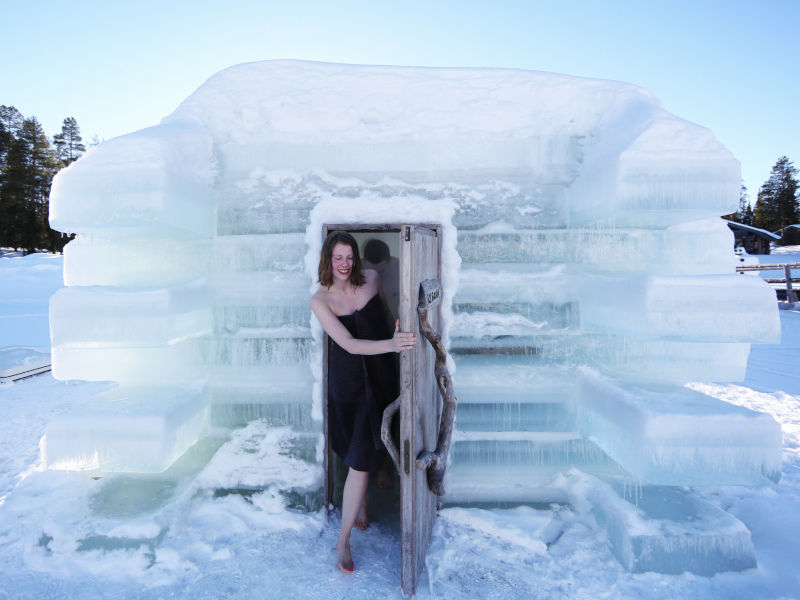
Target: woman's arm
(334, 328)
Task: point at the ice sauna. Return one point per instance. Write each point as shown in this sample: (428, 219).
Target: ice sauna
(587, 274)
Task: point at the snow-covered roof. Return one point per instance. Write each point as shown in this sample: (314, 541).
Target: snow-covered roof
(510, 116)
(561, 151)
(756, 230)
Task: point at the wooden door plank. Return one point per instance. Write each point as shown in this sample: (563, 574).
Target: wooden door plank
(421, 405)
(409, 521)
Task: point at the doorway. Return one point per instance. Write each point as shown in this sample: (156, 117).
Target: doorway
(417, 250)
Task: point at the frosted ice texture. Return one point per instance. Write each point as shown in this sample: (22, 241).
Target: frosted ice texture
(678, 436)
(134, 429)
(580, 227)
(667, 529)
(154, 183)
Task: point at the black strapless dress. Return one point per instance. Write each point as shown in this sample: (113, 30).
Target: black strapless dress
(359, 388)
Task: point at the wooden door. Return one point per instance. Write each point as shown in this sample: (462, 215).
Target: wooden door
(420, 409)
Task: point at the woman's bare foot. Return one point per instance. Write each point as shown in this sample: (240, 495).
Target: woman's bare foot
(345, 562)
(362, 521)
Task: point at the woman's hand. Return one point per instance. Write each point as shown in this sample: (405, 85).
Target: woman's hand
(401, 340)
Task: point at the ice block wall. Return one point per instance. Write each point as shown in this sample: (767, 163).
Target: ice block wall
(137, 308)
(589, 249)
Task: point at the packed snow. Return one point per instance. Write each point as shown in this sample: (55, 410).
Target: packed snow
(227, 527)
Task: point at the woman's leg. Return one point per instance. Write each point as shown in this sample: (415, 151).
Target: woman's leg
(362, 521)
(355, 487)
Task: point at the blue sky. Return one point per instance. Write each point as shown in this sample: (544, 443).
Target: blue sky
(117, 66)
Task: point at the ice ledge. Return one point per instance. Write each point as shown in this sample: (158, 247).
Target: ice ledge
(672, 435)
(663, 529)
(128, 429)
(155, 182)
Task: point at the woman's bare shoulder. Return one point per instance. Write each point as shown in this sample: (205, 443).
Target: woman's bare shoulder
(320, 297)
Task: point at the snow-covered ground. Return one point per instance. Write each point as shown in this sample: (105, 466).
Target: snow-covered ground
(193, 533)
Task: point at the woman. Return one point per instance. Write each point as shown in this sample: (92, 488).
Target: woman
(362, 377)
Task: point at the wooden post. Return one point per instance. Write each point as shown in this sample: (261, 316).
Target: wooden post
(791, 295)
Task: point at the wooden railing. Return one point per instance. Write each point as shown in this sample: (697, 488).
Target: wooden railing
(791, 295)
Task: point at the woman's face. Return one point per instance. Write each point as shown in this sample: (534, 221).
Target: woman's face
(342, 261)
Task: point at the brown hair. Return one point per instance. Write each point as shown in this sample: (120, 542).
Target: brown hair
(325, 270)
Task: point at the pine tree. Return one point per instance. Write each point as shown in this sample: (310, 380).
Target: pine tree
(10, 122)
(777, 205)
(30, 166)
(12, 207)
(10, 117)
(10, 125)
(744, 214)
(69, 144)
(27, 166)
(44, 166)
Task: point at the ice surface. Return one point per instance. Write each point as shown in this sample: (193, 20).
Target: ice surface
(627, 359)
(711, 308)
(667, 529)
(128, 430)
(139, 365)
(134, 335)
(95, 261)
(678, 436)
(662, 174)
(519, 471)
(278, 252)
(489, 285)
(260, 299)
(154, 181)
(119, 317)
(697, 247)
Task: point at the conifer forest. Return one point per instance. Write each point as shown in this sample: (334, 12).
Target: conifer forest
(28, 162)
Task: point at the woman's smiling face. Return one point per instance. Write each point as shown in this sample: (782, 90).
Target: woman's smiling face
(342, 261)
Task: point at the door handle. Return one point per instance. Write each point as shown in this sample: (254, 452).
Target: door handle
(430, 293)
(386, 432)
